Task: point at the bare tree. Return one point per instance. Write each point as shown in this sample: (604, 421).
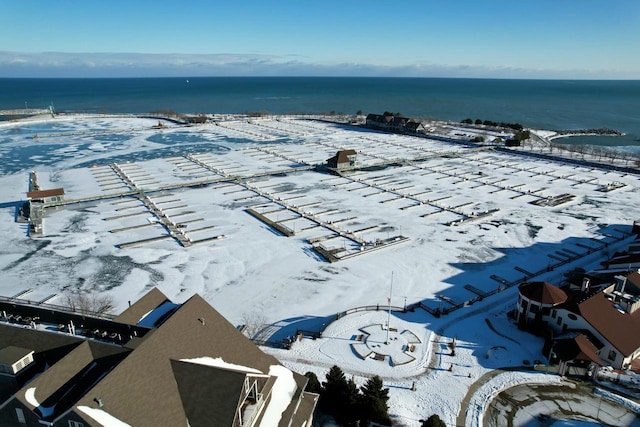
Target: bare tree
(581, 149)
(55, 176)
(89, 302)
(254, 322)
(597, 151)
(612, 155)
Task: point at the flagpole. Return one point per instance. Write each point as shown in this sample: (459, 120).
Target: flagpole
(389, 314)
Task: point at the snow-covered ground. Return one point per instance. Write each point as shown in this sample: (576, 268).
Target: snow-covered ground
(433, 193)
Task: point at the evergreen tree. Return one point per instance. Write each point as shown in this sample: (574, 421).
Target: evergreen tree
(350, 410)
(433, 421)
(332, 390)
(522, 135)
(373, 402)
(313, 385)
(339, 397)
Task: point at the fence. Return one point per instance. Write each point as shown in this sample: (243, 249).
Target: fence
(440, 311)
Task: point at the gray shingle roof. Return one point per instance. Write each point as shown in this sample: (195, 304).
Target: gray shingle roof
(143, 390)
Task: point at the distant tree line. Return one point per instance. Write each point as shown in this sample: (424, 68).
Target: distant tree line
(514, 126)
(349, 405)
(596, 152)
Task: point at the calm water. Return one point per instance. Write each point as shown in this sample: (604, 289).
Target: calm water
(553, 104)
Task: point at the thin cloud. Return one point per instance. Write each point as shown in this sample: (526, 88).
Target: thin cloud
(59, 64)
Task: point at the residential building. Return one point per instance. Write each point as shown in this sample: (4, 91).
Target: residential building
(393, 123)
(156, 364)
(378, 121)
(414, 127)
(609, 317)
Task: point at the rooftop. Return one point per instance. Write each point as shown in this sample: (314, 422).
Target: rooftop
(160, 380)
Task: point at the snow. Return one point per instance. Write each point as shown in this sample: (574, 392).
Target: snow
(627, 403)
(281, 395)
(217, 362)
(30, 397)
(544, 133)
(478, 402)
(282, 280)
(103, 417)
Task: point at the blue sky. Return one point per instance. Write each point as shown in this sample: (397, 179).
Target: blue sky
(444, 38)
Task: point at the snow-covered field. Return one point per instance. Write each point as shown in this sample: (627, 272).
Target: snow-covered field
(433, 193)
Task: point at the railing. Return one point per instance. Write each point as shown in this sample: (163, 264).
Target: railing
(60, 308)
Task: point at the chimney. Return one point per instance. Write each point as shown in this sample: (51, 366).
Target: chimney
(586, 283)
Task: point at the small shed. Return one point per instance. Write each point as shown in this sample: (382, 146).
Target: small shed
(344, 159)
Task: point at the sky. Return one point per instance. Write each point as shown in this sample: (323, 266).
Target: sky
(492, 38)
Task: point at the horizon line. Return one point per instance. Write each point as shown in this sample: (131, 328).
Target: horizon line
(319, 77)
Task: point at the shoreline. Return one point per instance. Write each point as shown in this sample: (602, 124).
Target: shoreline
(586, 132)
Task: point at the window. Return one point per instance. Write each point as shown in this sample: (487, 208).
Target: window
(20, 415)
(75, 424)
(553, 313)
(612, 355)
(572, 316)
(534, 308)
(523, 304)
(559, 320)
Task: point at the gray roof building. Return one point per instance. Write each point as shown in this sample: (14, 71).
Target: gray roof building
(193, 368)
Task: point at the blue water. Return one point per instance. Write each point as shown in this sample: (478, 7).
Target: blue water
(552, 104)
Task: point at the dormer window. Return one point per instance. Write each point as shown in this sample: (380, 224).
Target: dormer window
(14, 359)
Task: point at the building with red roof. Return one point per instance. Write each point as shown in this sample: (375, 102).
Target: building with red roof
(609, 318)
(535, 301)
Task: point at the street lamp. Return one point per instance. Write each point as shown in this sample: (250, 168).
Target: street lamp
(551, 354)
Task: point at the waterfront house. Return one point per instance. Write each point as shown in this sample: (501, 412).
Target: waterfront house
(414, 127)
(398, 123)
(378, 121)
(609, 317)
(393, 123)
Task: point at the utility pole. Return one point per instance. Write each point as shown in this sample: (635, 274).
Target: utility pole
(389, 314)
